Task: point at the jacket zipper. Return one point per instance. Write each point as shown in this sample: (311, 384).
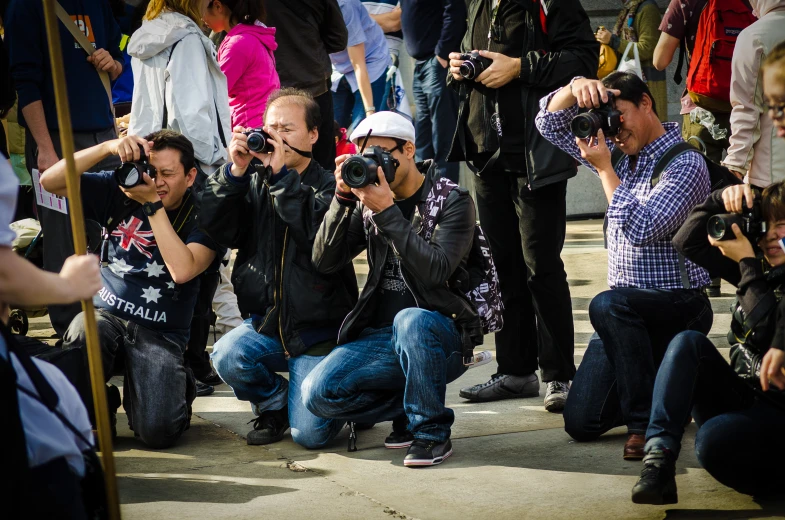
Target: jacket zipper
(280, 314)
(275, 289)
(404, 277)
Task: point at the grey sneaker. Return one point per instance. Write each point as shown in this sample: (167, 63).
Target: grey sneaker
(556, 395)
(503, 386)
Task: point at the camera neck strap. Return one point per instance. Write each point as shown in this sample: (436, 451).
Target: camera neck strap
(496, 123)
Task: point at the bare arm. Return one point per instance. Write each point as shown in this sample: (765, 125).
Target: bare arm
(36, 125)
(663, 53)
(184, 261)
(389, 22)
(357, 57)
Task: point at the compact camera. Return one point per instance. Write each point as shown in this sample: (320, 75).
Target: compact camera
(473, 64)
(359, 170)
(130, 174)
(257, 140)
(750, 222)
(605, 118)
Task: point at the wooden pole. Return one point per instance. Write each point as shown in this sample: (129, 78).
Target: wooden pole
(80, 247)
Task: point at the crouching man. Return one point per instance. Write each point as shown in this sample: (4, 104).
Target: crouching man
(153, 253)
(270, 212)
(403, 341)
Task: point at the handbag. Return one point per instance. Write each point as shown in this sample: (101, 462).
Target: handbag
(632, 65)
(608, 61)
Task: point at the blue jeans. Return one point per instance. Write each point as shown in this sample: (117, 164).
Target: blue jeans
(739, 433)
(437, 115)
(348, 106)
(615, 380)
(248, 362)
(386, 372)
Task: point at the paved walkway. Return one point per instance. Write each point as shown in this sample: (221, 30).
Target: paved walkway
(512, 459)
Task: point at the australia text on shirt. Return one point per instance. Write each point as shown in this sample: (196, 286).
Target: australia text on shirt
(151, 295)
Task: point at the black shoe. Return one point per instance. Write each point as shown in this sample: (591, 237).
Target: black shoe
(269, 427)
(400, 437)
(211, 378)
(657, 484)
(427, 453)
(113, 402)
(203, 389)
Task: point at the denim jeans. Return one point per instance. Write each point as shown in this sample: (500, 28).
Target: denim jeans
(386, 372)
(615, 380)
(738, 432)
(158, 389)
(437, 115)
(348, 106)
(248, 362)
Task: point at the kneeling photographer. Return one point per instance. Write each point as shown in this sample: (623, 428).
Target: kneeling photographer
(268, 203)
(740, 414)
(651, 179)
(405, 339)
(152, 254)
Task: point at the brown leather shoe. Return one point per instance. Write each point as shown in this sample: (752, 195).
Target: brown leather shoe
(633, 448)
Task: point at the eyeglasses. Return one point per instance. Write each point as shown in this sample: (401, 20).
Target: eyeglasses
(775, 111)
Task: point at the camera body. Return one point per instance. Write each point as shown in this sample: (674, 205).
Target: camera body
(359, 170)
(473, 64)
(605, 118)
(130, 174)
(257, 140)
(750, 222)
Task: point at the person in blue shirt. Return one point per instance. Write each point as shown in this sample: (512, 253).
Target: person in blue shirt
(155, 254)
(360, 71)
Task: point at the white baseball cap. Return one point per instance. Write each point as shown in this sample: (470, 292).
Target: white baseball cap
(384, 124)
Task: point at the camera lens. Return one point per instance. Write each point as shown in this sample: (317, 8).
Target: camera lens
(256, 142)
(358, 171)
(586, 125)
(127, 175)
(719, 226)
(467, 69)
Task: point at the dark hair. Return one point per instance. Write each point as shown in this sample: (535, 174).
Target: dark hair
(313, 116)
(632, 88)
(772, 203)
(246, 11)
(171, 140)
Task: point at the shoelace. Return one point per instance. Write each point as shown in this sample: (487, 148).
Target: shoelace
(651, 471)
(493, 380)
(557, 387)
(422, 443)
(263, 422)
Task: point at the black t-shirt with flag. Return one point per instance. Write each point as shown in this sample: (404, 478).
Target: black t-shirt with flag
(137, 286)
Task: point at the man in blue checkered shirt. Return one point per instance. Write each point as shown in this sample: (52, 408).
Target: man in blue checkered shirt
(654, 294)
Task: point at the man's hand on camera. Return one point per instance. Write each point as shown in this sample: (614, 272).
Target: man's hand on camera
(142, 193)
(734, 198)
(590, 93)
(596, 152)
(771, 371)
(503, 70)
(277, 158)
(339, 184)
(376, 197)
(128, 147)
(737, 249)
(455, 65)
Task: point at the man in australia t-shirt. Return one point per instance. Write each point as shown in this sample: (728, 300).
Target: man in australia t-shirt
(153, 254)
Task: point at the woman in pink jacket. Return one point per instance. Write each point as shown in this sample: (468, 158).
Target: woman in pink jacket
(245, 56)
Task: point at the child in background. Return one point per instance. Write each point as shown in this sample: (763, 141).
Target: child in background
(342, 144)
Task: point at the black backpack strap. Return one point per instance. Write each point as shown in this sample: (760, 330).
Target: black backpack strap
(666, 158)
(616, 156)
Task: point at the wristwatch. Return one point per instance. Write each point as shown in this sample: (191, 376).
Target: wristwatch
(150, 208)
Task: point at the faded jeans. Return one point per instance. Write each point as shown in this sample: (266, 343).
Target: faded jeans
(386, 372)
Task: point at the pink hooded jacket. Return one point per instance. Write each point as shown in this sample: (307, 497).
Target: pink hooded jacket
(246, 57)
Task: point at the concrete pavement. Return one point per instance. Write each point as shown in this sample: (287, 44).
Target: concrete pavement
(511, 459)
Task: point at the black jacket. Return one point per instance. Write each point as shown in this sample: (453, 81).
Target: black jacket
(306, 31)
(427, 267)
(273, 228)
(548, 61)
(758, 307)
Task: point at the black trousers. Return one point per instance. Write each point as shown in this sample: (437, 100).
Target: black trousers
(58, 239)
(196, 352)
(526, 231)
(324, 149)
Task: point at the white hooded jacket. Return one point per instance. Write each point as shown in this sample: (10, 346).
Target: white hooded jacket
(194, 86)
(754, 146)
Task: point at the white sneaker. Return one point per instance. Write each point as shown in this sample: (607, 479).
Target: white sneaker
(556, 395)
(479, 359)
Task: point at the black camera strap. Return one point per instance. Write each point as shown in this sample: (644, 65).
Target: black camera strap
(463, 97)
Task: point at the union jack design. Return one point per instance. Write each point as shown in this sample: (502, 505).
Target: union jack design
(130, 236)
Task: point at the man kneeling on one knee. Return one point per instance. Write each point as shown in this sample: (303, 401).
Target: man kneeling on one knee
(270, 211)
(155, 253)
(404, 340)
(655, 294)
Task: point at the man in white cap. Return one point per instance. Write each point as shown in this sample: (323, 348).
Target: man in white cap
(403, 341)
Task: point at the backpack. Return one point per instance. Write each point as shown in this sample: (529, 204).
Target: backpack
(483, 288)
(709, 75)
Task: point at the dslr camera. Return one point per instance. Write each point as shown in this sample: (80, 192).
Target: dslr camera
(605, 118)
(257, 140)
(473, 64)
(751, 223)
(130, 174)
(359, 170)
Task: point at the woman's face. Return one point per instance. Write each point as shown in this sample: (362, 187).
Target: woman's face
(774, 95)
